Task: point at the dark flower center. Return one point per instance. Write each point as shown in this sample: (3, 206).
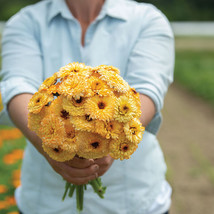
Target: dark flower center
(56, 150)
(88, 118)
(64, 114)
(79, 100)
(95, 144)
(101, 105)
(125, 148)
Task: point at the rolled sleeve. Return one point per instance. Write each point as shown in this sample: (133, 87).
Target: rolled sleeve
(151, 62)
(21, 61)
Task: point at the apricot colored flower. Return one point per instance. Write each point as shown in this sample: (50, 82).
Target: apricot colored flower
(135, 96)
(50, 81)
(75, 107)
(125, 109)
(34, 120)
(84, 123)
(74, 69)
(92, 145)
(115, 81)
(52, 131)
(58, 153)
(38, 101)
(121, 148)
(134, 130)
(74, 86)
(57, 109)
(99, 87)
(101, 108)
(109, 68)
(70, 143)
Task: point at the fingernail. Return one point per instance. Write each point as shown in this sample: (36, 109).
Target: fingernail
(96, 167)
(91, 161)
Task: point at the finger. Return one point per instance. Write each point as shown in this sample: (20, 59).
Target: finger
(107, 160)
(80, 163)
(77, 173)
(80, 181)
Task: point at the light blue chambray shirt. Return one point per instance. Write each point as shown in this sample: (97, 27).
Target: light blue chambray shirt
(134, 37)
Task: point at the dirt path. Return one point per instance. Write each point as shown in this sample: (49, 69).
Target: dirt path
(187, 139)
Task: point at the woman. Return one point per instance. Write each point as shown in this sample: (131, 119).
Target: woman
(134, 37)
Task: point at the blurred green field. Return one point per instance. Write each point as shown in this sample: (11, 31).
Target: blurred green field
(194, 70)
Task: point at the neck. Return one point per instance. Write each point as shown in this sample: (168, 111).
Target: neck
(85, 11)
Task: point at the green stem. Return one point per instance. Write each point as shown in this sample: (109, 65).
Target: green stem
(98, 188)
(71, 191)
(79, 197)
(67, 185)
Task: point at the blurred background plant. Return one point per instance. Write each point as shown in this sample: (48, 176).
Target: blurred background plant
(186, 135)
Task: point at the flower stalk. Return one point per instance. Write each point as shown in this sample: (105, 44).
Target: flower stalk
(96, 184)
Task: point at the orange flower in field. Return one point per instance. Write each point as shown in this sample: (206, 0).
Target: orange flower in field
(8, 159)
(16, 178)
(3, 205)
(10, 200)
(3, 189)
(14, 212)
(10, 134)
(1, 105)
(13, 157)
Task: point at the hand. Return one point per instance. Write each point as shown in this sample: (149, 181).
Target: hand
(77, 171)
(104, 164)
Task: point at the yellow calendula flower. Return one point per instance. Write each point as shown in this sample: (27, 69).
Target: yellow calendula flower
(34, 120)
(135, 96)
(111, 129)
(78, 69)
(108, 68)
(92, 145)
(70, 143)
(115, 81)
(52, 131)
(56, 108)
(125, 109)
(99, 87)
(74, 86)
(50, 81)
(39, 100)
(134, 130)
(58, 153)
(114, 129)
(75, 107)
(122, 148)
(84, 123)
(101, 108)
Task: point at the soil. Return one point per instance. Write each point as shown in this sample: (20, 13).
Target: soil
(187, 137)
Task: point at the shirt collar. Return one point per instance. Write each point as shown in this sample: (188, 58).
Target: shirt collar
(112, 8)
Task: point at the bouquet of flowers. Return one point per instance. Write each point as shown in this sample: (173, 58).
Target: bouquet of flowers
(88, 112)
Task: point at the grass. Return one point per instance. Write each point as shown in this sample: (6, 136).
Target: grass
(195, 71)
